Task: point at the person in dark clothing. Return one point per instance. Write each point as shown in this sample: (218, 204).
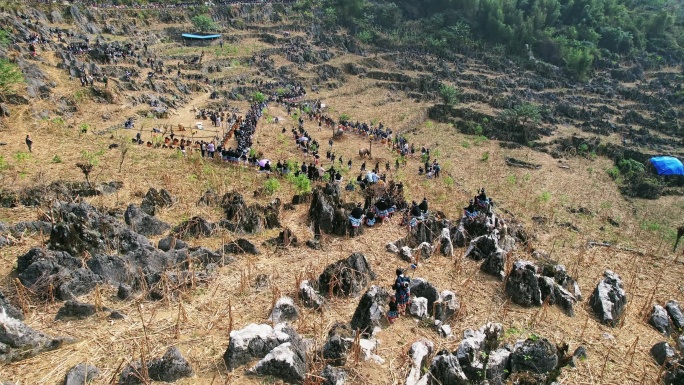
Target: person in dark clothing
(415, 210)
(393, 312)
(370, 218)
(357, 212)
(304, 168)
(29, 142)
(470, 209)
(402, 291)
(423, 206)
(363, 166)
(338, 177)
(349, 164)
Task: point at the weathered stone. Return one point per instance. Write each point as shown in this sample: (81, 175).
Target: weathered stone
(662, 352)
(534, 355)
(481, 247)
(9, 309)
(392, 248)
(194, 227)
(418, 307)
(209, 198)
(423, 251)
(241, 246)
(333, 376)
(81, 374)
(445, 369)
(371, 310)
(309, 296)
(346, 277)
(675, 313)
(659, 320)
(124, 292)
(522, 285)
(253, 341)
(285, 361)
(171, 243)
(609, 299)
(419, 353)
(171, 367)
(406, 254)
(468, 353)
(154, 199)
(447, 306)
(446, 246)
(143, 223)
(498, 366)
(284, 310)
(495, 264)
(18, 341)
(75, 309)
(422, 288)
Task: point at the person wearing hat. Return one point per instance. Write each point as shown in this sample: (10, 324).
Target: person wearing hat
(402, 291)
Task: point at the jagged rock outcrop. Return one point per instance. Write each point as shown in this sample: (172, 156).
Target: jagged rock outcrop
(348, 277)
(609, 299)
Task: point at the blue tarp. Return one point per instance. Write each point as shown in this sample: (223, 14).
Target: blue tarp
(201, 37)
(667, 165)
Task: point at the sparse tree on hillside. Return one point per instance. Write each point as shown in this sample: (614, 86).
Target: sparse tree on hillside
(449, 94)
(523, 119)
(203, 23)
(10, 75)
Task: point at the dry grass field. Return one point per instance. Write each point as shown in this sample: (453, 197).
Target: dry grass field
(199, 320)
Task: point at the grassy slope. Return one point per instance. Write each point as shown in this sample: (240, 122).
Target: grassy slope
(204, 322)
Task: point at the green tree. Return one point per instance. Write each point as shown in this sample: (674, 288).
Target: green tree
(258, 97)
(449, 94)
(10, 75)
(203, 23)
(524, 120)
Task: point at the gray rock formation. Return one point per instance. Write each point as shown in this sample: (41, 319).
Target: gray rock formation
(609, 299)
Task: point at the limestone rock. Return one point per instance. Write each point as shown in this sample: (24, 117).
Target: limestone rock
(284, 310)
(609, 299)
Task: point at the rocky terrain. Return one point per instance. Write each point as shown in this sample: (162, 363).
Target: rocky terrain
(136, 260)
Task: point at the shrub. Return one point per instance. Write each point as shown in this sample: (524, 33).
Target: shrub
(22, 156)
(10, 75)
(271, 185)
(56, 159)
(203, 23)
(258, 97)
(3, 163)
(485, 156)
(449, 94)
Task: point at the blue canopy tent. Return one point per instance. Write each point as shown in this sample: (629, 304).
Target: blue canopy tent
(199, 40)
(667, 165)
(200, 37)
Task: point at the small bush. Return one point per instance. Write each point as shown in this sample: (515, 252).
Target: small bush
(345, 117)
(271, 185)
(22, 156)
(449, 181)
(485, 156)
(3, 163)
(613, 173)
(258, 97)
(56, 159)
(545, 196)
(480, 140)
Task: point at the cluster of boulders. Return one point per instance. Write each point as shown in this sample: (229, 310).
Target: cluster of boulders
(480, 358)
(329, 214)
(667, 320)
(280, 350)
(671, 360)
(528, 285)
